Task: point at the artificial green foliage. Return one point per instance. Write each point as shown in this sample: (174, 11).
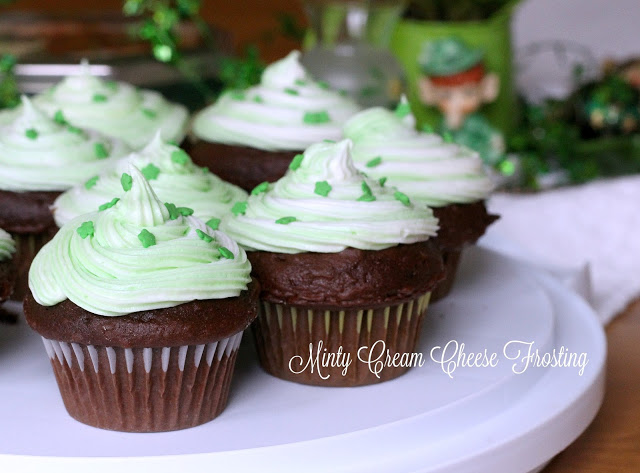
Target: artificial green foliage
(9, 94)
(242, 72)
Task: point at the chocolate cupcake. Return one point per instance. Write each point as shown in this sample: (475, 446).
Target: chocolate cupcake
(116, 109)
(172, 175)
(250, 136)
(346, 266)
(39, 158)
(449, 178)
(141, 310)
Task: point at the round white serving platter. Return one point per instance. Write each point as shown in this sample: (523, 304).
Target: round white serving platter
(441, 417)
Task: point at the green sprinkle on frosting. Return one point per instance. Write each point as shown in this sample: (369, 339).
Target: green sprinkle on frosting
(126, 182)
(296, 162)
(100, 151)
(322, 188)
(109, 204)
(74, 129)
(185, 211)
(58, 117)
(146, 238)
(300, 82)
(204, 236)
(150, 171)
(91, 182)
(149, 113)
(258, 99)
(382, 181)
(374, 162)
(99, 98)
(316, 118)
(173, 210)
(225, 253)
(286, 220)
(86, 229)
(260, 188)
(291, 91)
(328, 141)
(323, 84)
(239, 208)
(31, 133)
(365, 188)
(402, 110)
(179, 156)
(213, 223)
(367, 198)
(402, 198)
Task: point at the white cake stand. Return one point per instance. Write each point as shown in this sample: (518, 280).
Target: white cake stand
(486, 419)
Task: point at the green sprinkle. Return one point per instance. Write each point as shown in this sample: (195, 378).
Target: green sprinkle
(374, 162)
(150, 171)
(126, 182)
(149, 113)
(239, 208)
(296, 162)
(382, 181)
(31, 133)
(328, 141)
(204, 236)
(185, 211)
(365, 188)
(343, 93)
(260, 188)
(58, 117)
(324, 85)
(179, 156)
(111, 84)
(427, 128)
(74, 129)
(322, 188)
(402, 110)
(213, 223)
(258, 99)
(402, 198)
(86, 229)
(286, 220)
(291, 91)
(225, 253)
(447, 137)
(146, 238)
(173, 211)
(108, 205)
(237, 95)
(100, 150)
(300, 82)
(316, 118)
(91, 182)
(99, 98)
(367, 198)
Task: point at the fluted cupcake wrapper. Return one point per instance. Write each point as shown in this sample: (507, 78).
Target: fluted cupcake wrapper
(312, 346)
(451, 260)
(144, 389)
(27, 246)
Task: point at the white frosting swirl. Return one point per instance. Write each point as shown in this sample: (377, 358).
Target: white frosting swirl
(288, 110)
(171, 174)
(40, 154)
(326, 205)
(421, 164)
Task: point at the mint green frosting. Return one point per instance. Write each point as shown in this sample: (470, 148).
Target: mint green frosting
(40, 154)
(288, 110)
(137, 255)
(172, 175)
(421, 164)
(7, 245)
(324, 204)
(114, 108)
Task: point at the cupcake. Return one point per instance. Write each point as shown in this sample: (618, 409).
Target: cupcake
(248, 137)
(39, 158)
(172, 175)
(141, 310)
(113, 108)
(449, 178)
(346, 265)
(7, 272)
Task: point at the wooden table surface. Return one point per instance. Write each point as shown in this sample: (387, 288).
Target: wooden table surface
(611, 444)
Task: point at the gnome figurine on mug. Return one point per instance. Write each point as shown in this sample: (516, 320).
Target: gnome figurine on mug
(456, 82)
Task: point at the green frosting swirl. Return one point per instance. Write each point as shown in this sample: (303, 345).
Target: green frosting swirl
(38, 153)
(114, 108)
(324, 204)
(137, 254)
(421, 164)
(172, 175)
(288, 110)
(7, 245)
